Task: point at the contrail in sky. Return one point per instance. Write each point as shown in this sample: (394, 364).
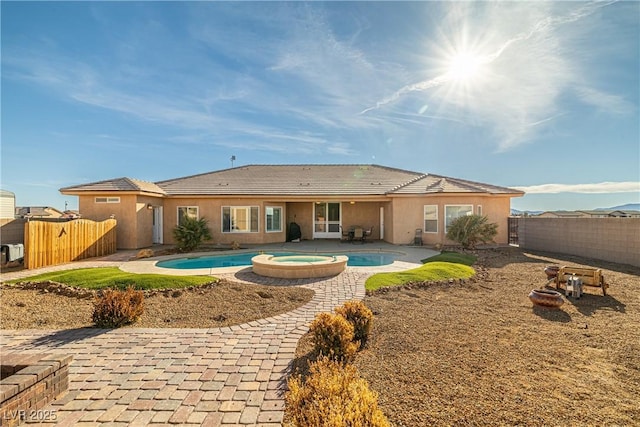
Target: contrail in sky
(542, 25)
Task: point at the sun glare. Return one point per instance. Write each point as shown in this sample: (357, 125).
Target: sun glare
(464, 66)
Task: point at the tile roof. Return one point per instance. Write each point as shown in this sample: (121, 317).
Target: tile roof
(36, 211)
(299, 180)
(293, 180)
(428, 184)
(117, 184)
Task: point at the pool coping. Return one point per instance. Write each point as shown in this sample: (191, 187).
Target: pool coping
(148, 265)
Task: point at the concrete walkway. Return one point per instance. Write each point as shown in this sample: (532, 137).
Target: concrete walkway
(225, 376)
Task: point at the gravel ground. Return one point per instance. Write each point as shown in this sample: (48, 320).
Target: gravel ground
(479, 353)
(222, 304)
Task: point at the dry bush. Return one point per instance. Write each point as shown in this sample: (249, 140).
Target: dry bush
(360, 317)
(332, 395)
(333, 337)
(115, 308)
(145, 253)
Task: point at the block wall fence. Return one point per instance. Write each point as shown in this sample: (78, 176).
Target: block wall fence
(608, 239)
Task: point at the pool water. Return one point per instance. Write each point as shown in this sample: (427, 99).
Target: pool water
(300, 258)
(356, 259)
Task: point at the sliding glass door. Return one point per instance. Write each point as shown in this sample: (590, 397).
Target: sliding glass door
(326, 222)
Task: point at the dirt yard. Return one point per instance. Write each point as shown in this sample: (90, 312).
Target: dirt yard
(473, 353)
(479, 353)
(212, 306)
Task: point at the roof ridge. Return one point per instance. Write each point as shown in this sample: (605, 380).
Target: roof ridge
(411, 181)
(133, 182)
(436, 184)
(475, 184)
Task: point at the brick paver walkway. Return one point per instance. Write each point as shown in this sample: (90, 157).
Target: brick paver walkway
(224, 376)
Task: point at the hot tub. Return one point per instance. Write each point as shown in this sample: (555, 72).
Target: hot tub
(298, 266)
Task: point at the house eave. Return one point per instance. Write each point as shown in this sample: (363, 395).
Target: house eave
(111, 193)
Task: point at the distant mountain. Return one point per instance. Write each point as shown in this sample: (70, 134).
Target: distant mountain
(518, 212)
(627, 207)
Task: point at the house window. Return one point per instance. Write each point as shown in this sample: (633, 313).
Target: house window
(187, 212)
(430, 218)
(479, 210)
(240, 219)
(452, 212)
(273, 220)
(107, 199)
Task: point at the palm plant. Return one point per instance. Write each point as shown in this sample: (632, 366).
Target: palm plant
(190, 233)
(472, 229)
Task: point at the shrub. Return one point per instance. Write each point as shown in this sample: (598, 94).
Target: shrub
(360, 317)
(115, 308)
(333, 395)
(472, 229)
(333, 337)
(190, 233)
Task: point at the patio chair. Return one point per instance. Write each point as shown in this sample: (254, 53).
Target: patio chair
(417, 239)
(346, 234)
(368, 233)
(358, 235)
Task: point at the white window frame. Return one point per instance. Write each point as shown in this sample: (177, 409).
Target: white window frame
(447, 220)
(425, 219)
(107, 200)
(266, 219)
(233, 209)
(197, 212)
(479, 210)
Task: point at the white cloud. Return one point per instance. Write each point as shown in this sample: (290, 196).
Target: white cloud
(531, 57)
(605, 101)
(602, 187)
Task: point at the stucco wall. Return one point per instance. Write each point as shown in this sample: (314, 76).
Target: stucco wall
(402, 216)
(135, 221)
(302, 214)
(211, 210)
(364, 214)
(407, 214)
(124, 212)
(609, 239)
(12, 231)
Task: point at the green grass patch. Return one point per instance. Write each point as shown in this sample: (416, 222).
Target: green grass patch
(454, 257)
(432, 271)
(113, 277)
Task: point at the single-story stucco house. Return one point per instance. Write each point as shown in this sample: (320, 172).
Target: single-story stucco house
(256, 204)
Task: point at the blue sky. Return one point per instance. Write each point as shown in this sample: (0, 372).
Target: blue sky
(542, 96)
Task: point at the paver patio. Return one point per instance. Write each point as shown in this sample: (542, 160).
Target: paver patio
(212, 377)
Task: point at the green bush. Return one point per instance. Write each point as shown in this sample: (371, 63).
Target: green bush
(333, 395)
(333, 337)
(360, 317)
(191, 233)
(471, 230)
(114, 308)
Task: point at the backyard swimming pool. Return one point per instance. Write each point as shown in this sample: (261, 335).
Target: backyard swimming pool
(356, 259)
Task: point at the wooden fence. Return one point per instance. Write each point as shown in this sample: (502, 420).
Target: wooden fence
(51, 243)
